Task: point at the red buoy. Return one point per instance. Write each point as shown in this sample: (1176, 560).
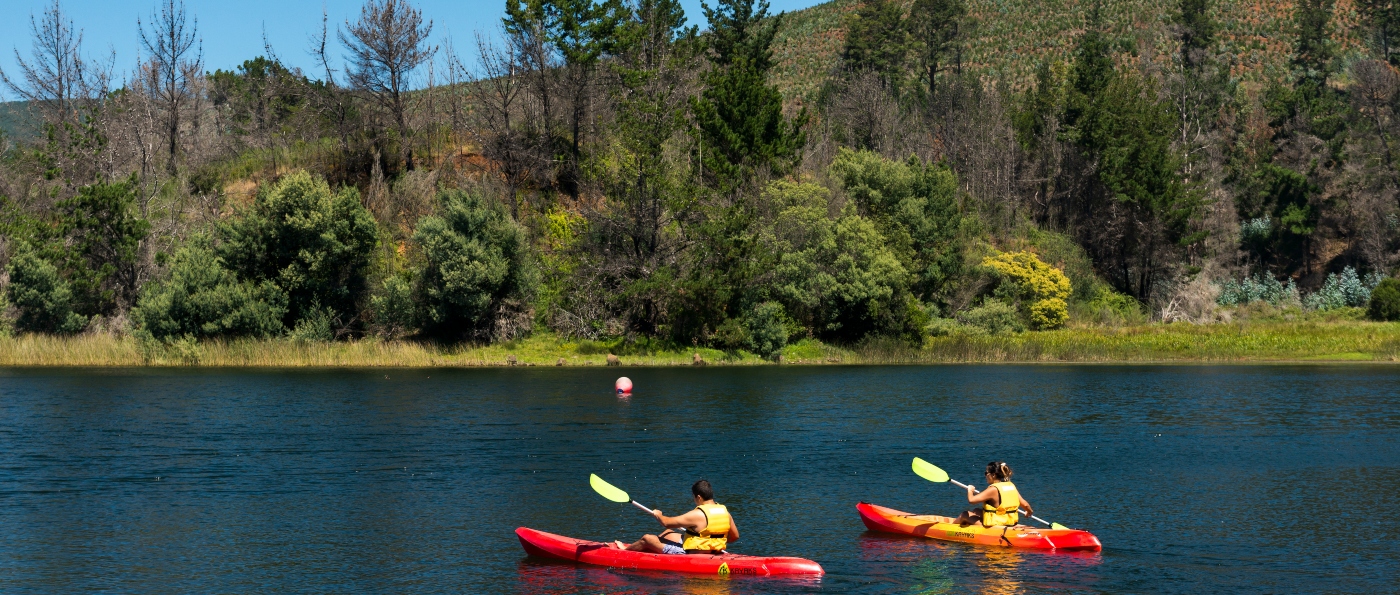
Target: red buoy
(623, 386)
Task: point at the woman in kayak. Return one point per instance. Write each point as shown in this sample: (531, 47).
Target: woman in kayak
(707, 529)
(1000, 501)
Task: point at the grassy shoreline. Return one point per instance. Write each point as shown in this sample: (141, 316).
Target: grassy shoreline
(1240, 342)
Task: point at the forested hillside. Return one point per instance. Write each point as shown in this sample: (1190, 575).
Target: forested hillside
(862, 172)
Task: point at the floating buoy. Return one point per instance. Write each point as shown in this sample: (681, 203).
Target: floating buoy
(623, 386)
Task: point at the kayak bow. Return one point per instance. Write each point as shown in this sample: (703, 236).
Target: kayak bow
(889, 520)
(549, 545)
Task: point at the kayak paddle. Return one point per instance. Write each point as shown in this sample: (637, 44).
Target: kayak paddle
(607, 490)
(932, 473)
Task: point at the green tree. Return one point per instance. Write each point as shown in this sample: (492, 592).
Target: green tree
(203, 299)
(475, 260)
(41, 295)
(877, 39)
(102, 233)
(835, 275)
(1313, 49)
(916, 208)
(313, 243)
(742, 130)
(1196, 30)
(1383, 16)
(1385, 300)
(937, 29)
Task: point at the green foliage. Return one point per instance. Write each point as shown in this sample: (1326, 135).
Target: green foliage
(1313, 48)
(392, 309)
(877, 39)
(103, 233)
(995, 317)
(836, 275)
(767, 326)
(475, 260)
(915, 207)
(1385, 300)
(42, 297)
(739, 115)
(313, 243)
(1260, 288)
(203, 299)
(936, 31)
(1346, 290)
(1198, 30)
(317, 326)
(1037, 289)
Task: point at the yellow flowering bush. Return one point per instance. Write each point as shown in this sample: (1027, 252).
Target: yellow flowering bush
(1040, 288)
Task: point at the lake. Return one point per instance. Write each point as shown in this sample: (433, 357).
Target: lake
(1198, 479)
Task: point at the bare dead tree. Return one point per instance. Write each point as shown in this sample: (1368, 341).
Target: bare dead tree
(387, 44)
(176, 65)
(500, 105)
(57, 78)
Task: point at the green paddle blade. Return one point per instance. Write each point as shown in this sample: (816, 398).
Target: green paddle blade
(928, 471)
(1057, 526)
(607, 490)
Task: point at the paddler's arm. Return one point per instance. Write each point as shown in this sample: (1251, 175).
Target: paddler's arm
(987, 495)
(733, 531)
(688, 520)
(1027, 505)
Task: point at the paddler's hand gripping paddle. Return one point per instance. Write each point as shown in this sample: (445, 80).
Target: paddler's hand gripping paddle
(932, 473)
(607, 490)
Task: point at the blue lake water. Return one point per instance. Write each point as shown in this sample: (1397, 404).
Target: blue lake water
(1270, 479)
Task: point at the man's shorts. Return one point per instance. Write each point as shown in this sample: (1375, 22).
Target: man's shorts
(667, 548)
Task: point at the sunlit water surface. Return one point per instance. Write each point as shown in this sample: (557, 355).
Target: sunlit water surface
(1197, 479)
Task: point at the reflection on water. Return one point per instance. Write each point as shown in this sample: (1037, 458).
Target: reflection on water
(174, 481)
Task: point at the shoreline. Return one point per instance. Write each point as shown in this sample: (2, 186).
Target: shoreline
(1262, 342)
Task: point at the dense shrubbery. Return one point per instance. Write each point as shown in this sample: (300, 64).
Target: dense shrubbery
(201, 298)
(1036, 289)
(41, 296)
(1259, 288)
(475, 266)
(1343, 291)
(1385, 300)
(312, 243)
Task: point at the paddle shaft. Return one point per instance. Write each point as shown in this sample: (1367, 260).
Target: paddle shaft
(639, 505)
(965, 486)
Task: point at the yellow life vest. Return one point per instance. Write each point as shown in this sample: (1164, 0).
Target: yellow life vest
(715, 536)
(1007, 513)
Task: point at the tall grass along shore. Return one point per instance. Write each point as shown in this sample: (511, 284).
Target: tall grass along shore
(1241, 342)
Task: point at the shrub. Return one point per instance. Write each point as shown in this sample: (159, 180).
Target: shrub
(1342, 291)
(202, 299)
(312, 243)
(1385, 300)
(950, 327)
(1039, 289)
(317, 326)
(996, 317)
(1260, 288)
(42, 297)
(392, 310)
(767, 327)
(1048, 314)
(475, 257)
(102, 234)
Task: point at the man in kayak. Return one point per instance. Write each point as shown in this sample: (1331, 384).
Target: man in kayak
(706, 529)
(1001, 502)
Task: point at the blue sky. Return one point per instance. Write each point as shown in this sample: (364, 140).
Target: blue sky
(232, 30)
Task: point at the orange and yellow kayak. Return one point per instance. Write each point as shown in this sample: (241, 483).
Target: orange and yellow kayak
(889, 520)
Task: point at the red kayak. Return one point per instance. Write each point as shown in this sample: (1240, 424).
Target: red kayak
(889, 520)
(549, 545)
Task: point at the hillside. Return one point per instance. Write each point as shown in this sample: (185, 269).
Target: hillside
(1009, 37)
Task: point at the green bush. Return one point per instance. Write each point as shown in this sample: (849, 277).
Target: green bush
(1342, 291)
(996, 317)
(317, 326)
(767, 327)
(202, 299)
(475, 260)
(102, 232)
(1049, 314)
(1385, 300)
(42, 297)
(836, 275)
(312, 243)
(392, 310)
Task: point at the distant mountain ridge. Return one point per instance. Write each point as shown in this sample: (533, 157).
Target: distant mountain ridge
(16, 121)
(1008, 38)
